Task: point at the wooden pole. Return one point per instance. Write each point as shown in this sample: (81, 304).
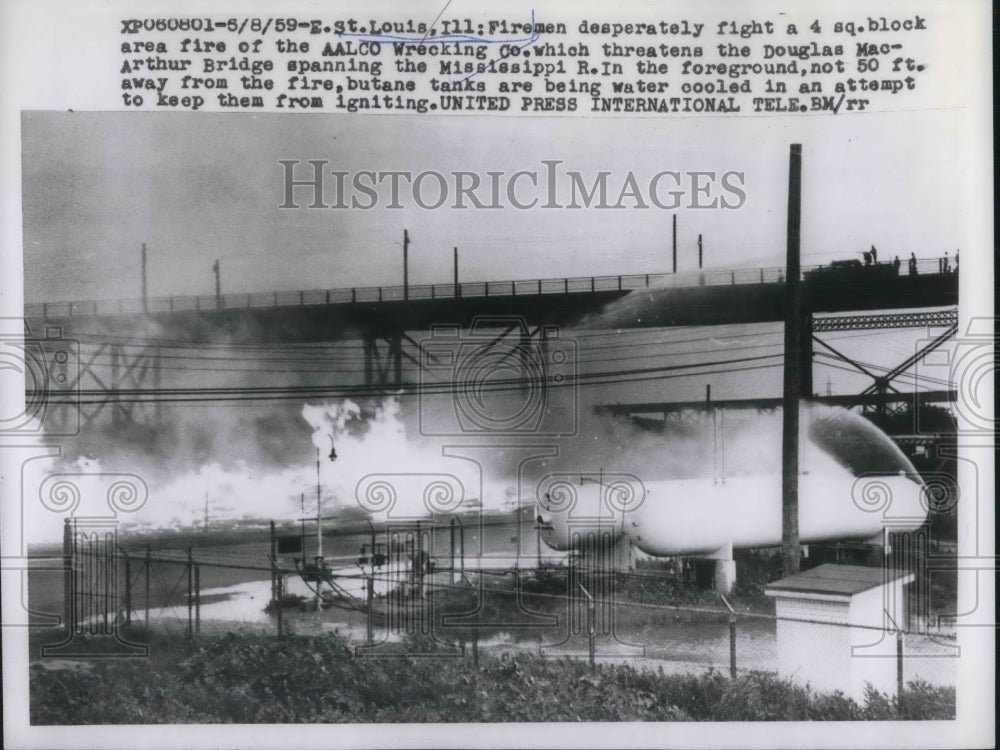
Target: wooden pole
(128, 589)
(67, 575)
(302, 525)
(732, 645)
(281, 595)
(452, 548)
(899, 668)
(277, 587)
(591, 615)
(218, 284)
(105, 554)
(406, 264)
(190, 596)
(370, 591)
(197, 599)
(148, 563)
(675, 243)
(792, 385)
(274, 576)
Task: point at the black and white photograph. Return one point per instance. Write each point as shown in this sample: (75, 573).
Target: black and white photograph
(451, 375)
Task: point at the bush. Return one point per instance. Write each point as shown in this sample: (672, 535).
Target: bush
(250, 678)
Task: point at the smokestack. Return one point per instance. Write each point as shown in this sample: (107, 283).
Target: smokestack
(793, 340)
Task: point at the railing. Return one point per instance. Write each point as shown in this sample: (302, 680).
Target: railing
(472, 289)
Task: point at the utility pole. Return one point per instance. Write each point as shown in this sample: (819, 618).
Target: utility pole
(701, 273)
(793, 342)
(406, 264)
(675, 243)
(319, 516)
(458, 289)
(218, 286)
(302, 515)
(145, 302)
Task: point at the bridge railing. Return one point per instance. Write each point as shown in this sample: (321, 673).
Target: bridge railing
(520, 287)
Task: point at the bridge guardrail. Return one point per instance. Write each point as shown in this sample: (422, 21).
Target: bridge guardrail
(520, 287)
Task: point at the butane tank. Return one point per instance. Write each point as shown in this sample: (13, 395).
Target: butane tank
(853, 483)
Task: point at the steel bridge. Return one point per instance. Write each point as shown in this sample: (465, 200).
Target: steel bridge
(130, 332)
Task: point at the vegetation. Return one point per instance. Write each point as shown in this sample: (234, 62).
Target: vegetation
(249, 679)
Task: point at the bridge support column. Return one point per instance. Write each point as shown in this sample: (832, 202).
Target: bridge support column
(384, 370)
(133, 373)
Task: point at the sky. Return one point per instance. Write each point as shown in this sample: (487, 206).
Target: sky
(196, 187)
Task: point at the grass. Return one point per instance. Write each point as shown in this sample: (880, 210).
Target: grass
(246, 678)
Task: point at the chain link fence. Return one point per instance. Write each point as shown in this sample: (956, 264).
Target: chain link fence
(397, 599)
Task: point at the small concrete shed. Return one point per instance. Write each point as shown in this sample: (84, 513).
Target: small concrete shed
(834, 629)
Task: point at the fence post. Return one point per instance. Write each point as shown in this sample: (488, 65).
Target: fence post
(280, 590)
(370, 588)
(475, 645)
(274, 572)
(732, 636)
(899, 671)
(148, 562)
(128, 588)
(190, 594)
(197, 599)
(68, 618)
(110, 584)
(452, 548)
(732, 645)
(591, 615)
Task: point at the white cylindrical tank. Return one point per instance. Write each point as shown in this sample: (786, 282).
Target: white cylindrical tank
(853, 483)
(572, 508)
(699, 516)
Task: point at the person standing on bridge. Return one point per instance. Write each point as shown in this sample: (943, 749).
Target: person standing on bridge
(946, 268)
(895, 265)
(874, 253)
(956, 261)
(913, 264)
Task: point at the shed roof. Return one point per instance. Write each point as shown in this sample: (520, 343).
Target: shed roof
(837, 580)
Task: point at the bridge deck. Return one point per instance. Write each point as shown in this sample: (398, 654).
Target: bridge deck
(701, 298)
